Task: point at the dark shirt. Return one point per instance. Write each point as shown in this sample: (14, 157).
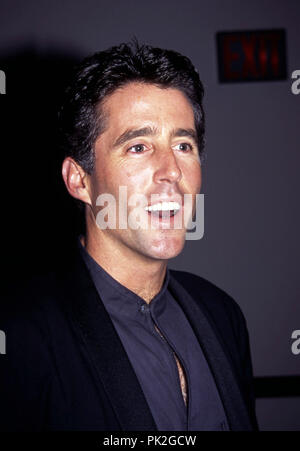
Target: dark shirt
(152, 356)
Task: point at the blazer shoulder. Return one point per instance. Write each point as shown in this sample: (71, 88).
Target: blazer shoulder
(222, 311)
(28, 313)
(27, 307)
(216, 300)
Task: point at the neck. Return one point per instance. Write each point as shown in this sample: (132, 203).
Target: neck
(142, 275)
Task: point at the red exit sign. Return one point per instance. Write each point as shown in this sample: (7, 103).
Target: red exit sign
(252, 55)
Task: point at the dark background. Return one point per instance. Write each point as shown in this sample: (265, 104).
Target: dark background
(251, 183)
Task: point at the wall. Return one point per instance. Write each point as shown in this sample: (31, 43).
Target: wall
(251, 182)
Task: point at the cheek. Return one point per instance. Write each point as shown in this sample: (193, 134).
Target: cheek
(192, 177)
(136, 178)
(106, 177)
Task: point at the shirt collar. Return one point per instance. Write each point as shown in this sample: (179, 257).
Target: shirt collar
(118, 298)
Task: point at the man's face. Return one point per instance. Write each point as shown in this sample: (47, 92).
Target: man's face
(149, 147)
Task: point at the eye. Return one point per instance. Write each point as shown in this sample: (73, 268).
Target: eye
(138, 148)
(184, 147)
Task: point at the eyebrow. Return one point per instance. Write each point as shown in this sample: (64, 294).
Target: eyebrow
(151, 131)
(134, 133)
(188, 132)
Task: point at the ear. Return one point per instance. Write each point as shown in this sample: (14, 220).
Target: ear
(75, 179)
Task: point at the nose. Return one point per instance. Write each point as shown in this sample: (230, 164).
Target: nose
(168, 169)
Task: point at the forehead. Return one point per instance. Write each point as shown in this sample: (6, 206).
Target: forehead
(140, 103)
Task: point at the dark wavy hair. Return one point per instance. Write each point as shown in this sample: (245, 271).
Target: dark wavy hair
(81, 119)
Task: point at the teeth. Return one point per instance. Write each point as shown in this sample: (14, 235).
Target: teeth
(163, 206)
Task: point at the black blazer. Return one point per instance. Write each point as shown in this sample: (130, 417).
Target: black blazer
(65, 367)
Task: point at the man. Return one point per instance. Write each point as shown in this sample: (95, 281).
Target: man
(116, 341)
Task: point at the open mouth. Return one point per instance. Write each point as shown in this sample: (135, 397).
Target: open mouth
(163, 209)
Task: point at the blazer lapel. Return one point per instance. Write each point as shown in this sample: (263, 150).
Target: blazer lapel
(106, 351)
(218, 362)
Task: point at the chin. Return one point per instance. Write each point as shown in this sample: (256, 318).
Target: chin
(165, 249)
